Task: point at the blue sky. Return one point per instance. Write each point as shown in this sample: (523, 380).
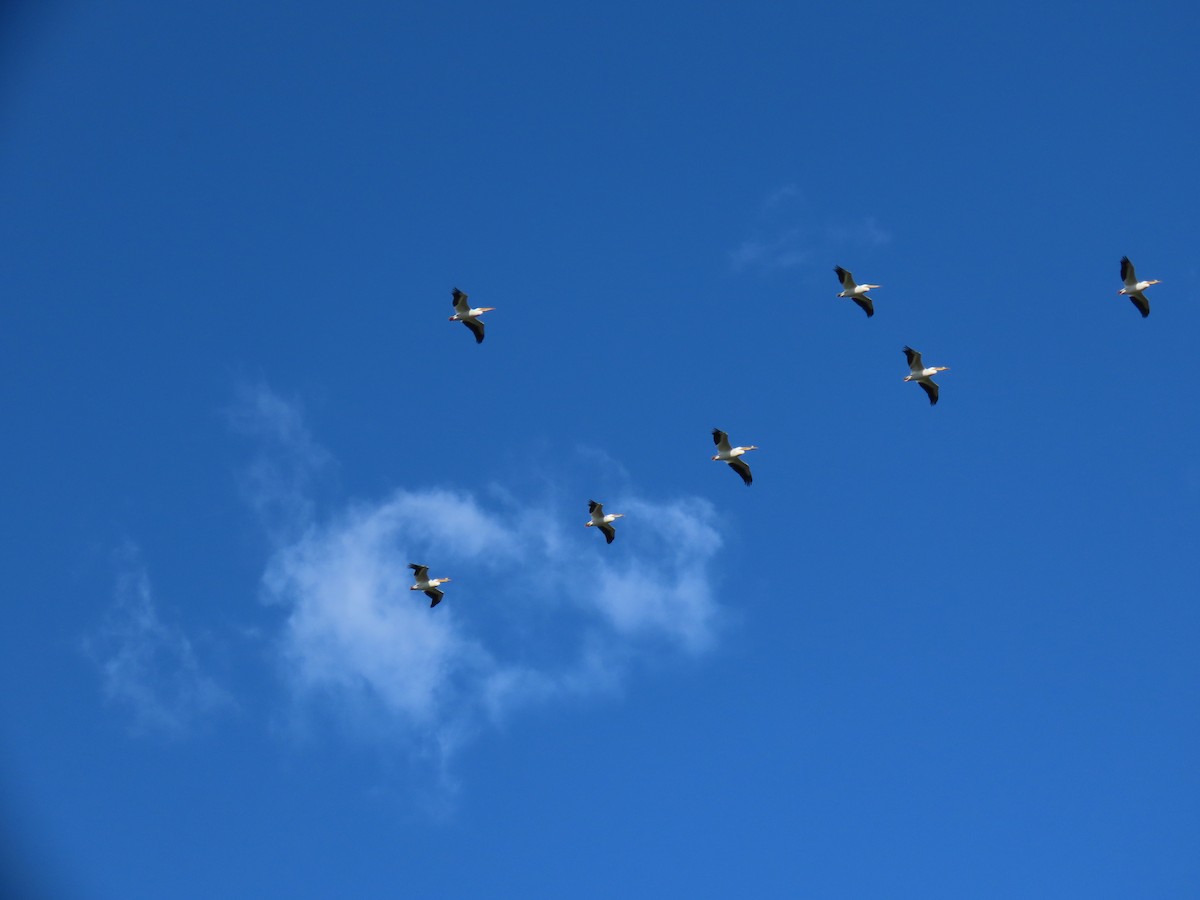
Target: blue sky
(935, 652)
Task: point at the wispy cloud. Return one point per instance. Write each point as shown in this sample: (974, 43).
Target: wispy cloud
(538, 609)
(147, 666)
(277, 482)
(790, 233)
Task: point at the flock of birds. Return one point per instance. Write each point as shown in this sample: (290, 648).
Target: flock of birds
(726, 453)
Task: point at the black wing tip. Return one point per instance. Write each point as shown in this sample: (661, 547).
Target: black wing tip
(1143, 309)
(609, 537)
(865, 305)
(931, 391)
(840, 271)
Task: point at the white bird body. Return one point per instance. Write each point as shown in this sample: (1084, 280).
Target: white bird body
(602, 521)
(468, 315)
(426, 584)
(922, 374)
(1133, 288)
(731, 455)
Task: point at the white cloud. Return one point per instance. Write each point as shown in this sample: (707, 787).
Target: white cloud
(539, 607)
(148, 666)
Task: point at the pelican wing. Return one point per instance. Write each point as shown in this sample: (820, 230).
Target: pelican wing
(739, 465)
(459, 302)
(914, 359)
(421, 573)
(596, 509)
(476, 329)
(1127, 274)
(721, 439)
(1140, 301)
(868, 306)
(435, 595)
(847, 280)
(609, 533)
(931, 389)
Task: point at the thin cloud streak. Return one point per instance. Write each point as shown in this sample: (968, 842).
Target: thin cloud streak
(147, 666)
(810, 241)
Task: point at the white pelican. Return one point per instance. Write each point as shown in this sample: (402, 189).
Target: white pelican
(427, 584)
(601, 521)
(856, 292)
(469, 317)
(922, 375)
(1133, 288)
(732, 455)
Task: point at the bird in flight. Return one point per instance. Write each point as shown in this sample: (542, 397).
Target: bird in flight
(601, 521)
(732, 455)
(427, 584)
(1133, 288)
(856, 292)
(922, 375)
(468, 316)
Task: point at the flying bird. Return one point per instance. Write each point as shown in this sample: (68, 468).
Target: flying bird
(1133, 288)
(856, 292)
(601, 521)
(468, 316)
(732, 455)
(427, 584)
(922, 375)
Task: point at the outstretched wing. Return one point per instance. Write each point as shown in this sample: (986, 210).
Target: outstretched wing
(1140, 301)
(596, 509)
(609, 533)
(1127, 274)
(739, 465)
(459, 301)
(476, 328)
(435, 595)
(914, 359)
(721, 439)
(847, 280)
(931, 389)
(865, 302)
(421, 573)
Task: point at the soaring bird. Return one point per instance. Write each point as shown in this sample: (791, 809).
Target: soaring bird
(601, 521)
(856, 292)
(427, 584)
(1133, 288)
(732, 455)
(468, 316)
(922, 375)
